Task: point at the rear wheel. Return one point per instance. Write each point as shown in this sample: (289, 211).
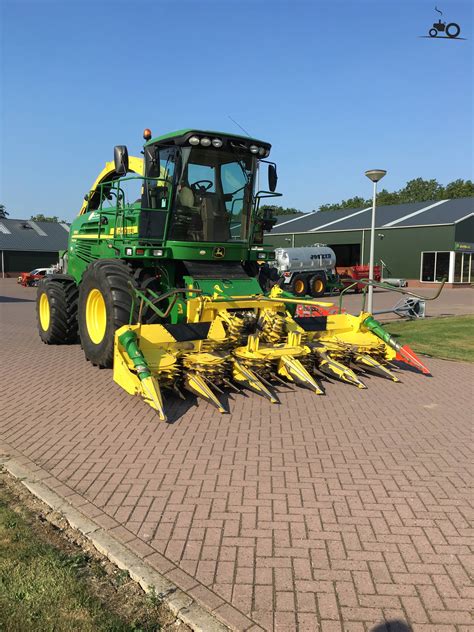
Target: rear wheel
(56, 310)
(453, 29)
(105, 301)
(299, 285)
(317, 286)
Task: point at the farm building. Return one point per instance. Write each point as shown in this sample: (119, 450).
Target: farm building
(25, 244)
(421, 242)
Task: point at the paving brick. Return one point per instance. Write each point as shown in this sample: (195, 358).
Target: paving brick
(319, 514)
(327, 606)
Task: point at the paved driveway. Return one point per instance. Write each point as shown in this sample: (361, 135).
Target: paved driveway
(329, 513)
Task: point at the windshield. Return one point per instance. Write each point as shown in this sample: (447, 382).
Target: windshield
(214, 196)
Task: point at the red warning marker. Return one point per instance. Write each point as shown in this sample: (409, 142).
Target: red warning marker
(405, 354)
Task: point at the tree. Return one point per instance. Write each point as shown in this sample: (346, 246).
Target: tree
(419, 190)
(280, 210)
(459, 188)
(39, 217)
(355, 202)
(416, 190)
(3, 212)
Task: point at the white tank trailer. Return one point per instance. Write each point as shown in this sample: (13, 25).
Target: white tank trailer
(309, 270)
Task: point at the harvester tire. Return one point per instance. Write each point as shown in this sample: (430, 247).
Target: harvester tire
(317, 286)
(299, 285)
(56, 311)
(105, 302)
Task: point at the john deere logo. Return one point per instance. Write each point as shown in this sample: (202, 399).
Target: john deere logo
(219, 252)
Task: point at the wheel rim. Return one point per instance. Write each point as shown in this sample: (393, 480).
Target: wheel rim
(96, 316)
(318, 286)
(44, 312)
(299, 287)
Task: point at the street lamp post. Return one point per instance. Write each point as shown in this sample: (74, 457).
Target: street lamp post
(375, 175)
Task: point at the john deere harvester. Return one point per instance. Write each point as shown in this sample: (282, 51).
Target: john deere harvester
(160, 281)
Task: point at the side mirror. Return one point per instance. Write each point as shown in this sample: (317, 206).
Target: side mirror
(86, 197)
(121, 159)
(272, 177)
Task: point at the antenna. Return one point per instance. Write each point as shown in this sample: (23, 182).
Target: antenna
(238, 125)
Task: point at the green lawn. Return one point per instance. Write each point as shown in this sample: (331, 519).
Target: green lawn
(451, 338)
(47, 584)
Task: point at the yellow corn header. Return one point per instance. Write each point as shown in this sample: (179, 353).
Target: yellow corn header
(251, 342)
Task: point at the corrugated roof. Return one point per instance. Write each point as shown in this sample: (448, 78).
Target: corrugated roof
(396, 215)
(25, 235)
(287, 219)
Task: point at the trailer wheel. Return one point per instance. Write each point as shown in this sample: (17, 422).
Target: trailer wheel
(299, 285)
(56, 311)
(105, 302)
(317, 286)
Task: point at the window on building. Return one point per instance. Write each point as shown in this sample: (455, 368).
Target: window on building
(428, 266)
(463, 267)
(442, 266)
(457, 267)
(434, 266)
(466, 267)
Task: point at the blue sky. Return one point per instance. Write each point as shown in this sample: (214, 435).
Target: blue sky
(336, 86)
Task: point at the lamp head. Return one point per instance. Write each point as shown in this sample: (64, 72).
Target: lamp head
(375, 174)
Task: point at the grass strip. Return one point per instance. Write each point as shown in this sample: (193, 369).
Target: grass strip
(451, 338)
(49, 584)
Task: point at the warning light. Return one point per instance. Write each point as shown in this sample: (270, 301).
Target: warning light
(147, 134)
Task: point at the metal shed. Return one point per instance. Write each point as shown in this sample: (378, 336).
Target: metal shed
(421, 242)
(25, 244)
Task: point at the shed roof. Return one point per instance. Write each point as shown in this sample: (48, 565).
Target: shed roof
(429, 213)
(26, 235)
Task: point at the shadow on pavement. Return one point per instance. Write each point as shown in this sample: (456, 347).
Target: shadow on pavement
(392, 626)
(11, 299)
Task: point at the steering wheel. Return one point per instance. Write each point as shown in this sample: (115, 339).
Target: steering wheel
(201, 186)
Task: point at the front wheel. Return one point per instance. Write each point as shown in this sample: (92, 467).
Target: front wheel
(105, 303)
(433, 32)
(453, 29)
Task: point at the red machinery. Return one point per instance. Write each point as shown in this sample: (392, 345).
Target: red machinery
(349, 274)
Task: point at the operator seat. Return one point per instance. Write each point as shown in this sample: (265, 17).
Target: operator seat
(186, 197)
(215, 220)
(188, 220)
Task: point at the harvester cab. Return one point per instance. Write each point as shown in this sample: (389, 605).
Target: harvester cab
(160, 281)
(197, 207)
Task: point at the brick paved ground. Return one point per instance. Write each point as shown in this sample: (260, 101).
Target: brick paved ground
(324, 513)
